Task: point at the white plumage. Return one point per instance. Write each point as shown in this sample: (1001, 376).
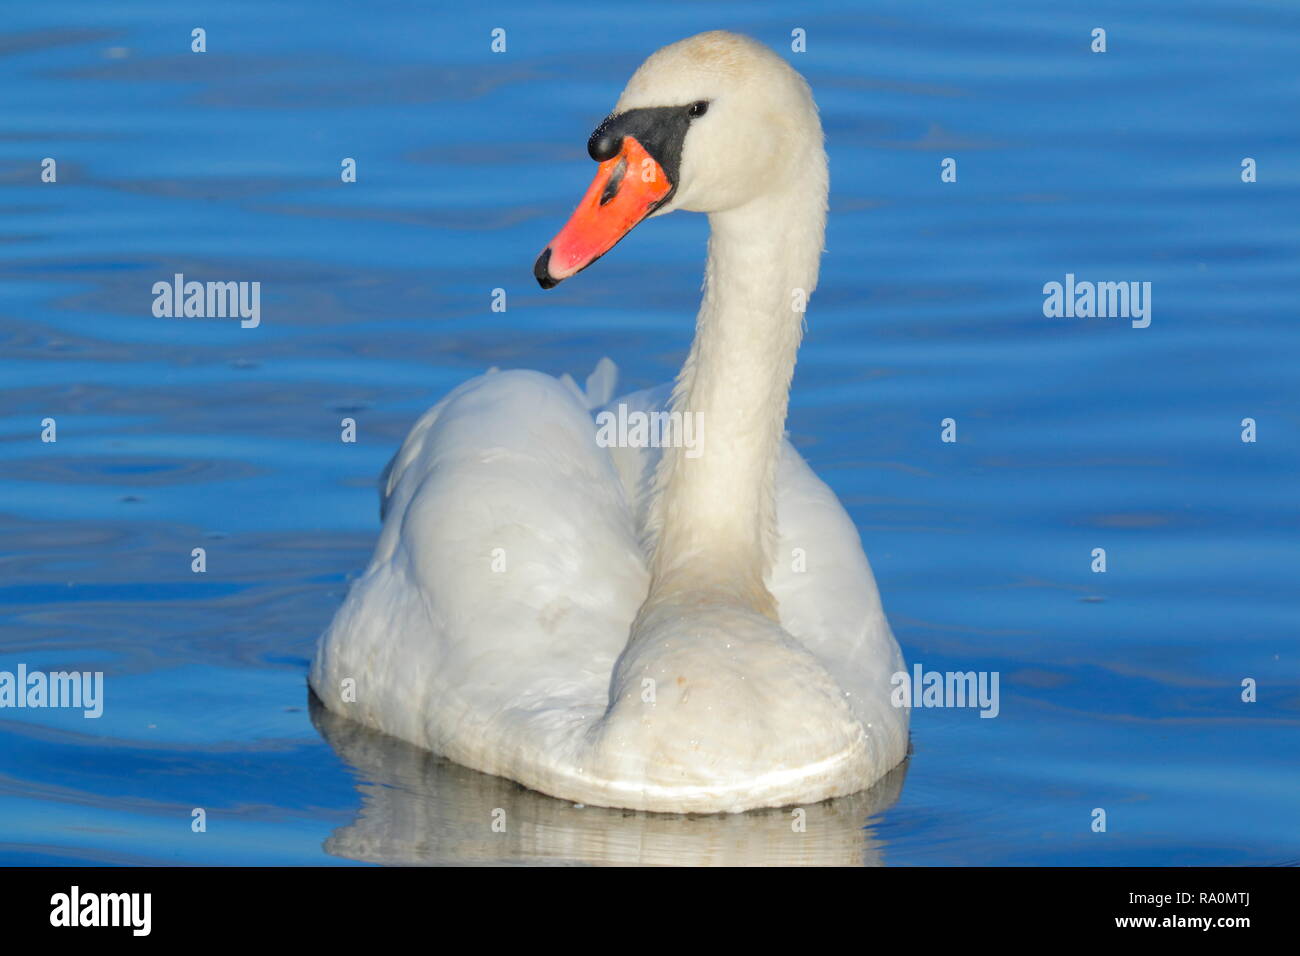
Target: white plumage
(629, 626)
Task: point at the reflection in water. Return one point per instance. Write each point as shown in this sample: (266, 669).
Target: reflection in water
(418, 808)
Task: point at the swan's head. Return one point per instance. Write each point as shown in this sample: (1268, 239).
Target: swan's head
(707, 124)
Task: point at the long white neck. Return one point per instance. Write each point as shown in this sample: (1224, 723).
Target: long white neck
(715, 516)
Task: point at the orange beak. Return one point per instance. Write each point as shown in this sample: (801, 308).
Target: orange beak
(627, 188)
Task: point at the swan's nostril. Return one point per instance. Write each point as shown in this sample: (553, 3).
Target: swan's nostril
(615, 180)
(604, 144)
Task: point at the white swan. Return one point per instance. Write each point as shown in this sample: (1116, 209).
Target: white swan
(633, 627)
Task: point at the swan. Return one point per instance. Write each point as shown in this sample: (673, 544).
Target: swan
(666, 628)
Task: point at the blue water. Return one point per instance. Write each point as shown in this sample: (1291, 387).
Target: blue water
(1120, 691)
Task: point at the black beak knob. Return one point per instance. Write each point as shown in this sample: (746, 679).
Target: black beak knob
(605, 143)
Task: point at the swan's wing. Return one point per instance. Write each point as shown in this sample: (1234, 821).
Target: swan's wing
(504, 582)
(827, 598)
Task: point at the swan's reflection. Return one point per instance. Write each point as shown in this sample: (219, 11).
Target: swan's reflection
(420, 809)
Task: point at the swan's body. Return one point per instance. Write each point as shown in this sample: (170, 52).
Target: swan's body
(639, 627)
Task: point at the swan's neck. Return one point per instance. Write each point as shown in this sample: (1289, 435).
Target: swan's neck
(715, 515)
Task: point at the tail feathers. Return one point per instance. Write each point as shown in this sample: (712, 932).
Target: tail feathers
(600, 384)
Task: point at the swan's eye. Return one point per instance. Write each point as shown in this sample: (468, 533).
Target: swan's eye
(698, 108)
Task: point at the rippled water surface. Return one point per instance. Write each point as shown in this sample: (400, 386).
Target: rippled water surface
(1119, 690)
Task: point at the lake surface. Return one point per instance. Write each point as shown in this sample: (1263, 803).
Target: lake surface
(1119, 690)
